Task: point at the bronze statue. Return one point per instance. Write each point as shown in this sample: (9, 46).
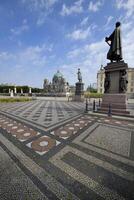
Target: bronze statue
(123, 81)
(115, 51)
(79, 76)
(107, 83)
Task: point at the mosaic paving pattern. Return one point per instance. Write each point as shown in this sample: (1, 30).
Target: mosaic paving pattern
(89, 157)
(99, 170)
(23, 133)
(72, 128)
(112, 139)
(43, 144)
(16, 129)
(45, 113)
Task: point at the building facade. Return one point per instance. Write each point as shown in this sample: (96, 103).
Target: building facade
(58, 84)
(100, 80)
(130, 86)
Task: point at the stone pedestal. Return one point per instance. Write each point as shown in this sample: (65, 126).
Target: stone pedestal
(11, 93)
(117, 103)
(115, 94)
(114, 71)
(79, 92)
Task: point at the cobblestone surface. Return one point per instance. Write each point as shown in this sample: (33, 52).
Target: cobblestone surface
(84, 157)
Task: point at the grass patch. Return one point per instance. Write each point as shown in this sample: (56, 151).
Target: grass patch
(10, 100)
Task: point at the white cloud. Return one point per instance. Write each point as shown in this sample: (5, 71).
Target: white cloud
(74, 53)
(41, 7)
(41, 19)
(127, 5)
(39, 4)
(79, 34)
(75, 8)
(95, 6)
(93, 49)
(4, 56)
(89, 57)
(18, 30)
(26, 65)
(127, 20)
(128, 45)
(109, 19)
(84, 21)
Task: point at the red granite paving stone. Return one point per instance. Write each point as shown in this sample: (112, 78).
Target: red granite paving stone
(76, 128)
(8, 128)
(37, 147)
(26, 135)
(21, 131)
(82, 122)
(63, 132)
(79, 125)
(88, 119)
(14, 131)
(5, 124)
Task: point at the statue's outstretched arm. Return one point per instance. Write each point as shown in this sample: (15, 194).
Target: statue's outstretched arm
(110, 38)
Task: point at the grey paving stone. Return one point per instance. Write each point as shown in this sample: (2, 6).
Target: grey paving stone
(14, 184)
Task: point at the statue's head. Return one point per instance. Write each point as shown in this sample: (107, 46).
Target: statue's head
(118, 24)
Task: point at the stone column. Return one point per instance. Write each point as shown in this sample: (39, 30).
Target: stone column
(30, 90)
(15, 90)
(11, 93)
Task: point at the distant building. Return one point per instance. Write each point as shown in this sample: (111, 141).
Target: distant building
(130, 86)
(58, 84)
(100, 80)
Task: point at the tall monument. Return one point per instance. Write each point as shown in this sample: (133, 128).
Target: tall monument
(79, 91)
(115, 85)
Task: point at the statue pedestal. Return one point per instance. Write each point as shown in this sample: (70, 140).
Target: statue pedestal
(115, 95)
(114, 70)
(117, 103)
(79, 92)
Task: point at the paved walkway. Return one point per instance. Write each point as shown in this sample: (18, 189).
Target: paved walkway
(75, 156)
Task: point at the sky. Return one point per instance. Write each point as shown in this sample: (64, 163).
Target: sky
(39, 37)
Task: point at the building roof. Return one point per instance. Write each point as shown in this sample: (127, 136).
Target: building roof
(58, 75)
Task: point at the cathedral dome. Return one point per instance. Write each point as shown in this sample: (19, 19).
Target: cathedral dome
(57, 75)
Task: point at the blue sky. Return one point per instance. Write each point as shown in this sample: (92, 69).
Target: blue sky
(39, 37)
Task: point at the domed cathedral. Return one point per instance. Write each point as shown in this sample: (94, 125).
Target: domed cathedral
(58, 85)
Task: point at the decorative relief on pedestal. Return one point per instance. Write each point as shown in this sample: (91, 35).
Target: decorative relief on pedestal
(123, 81)
(107, 82)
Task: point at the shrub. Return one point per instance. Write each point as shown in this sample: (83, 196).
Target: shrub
(92, 95)
(10, 100)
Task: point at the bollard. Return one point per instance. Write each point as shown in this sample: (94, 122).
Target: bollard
(94, 106)
(86, 110)
(109, 110)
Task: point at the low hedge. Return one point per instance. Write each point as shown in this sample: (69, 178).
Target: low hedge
(10, 100)
(92, 95)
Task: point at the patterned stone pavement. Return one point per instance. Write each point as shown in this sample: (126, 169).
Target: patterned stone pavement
(84, 157)
(44, 113)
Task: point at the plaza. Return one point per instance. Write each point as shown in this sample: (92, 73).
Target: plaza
(51, 149)
(67, 100)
